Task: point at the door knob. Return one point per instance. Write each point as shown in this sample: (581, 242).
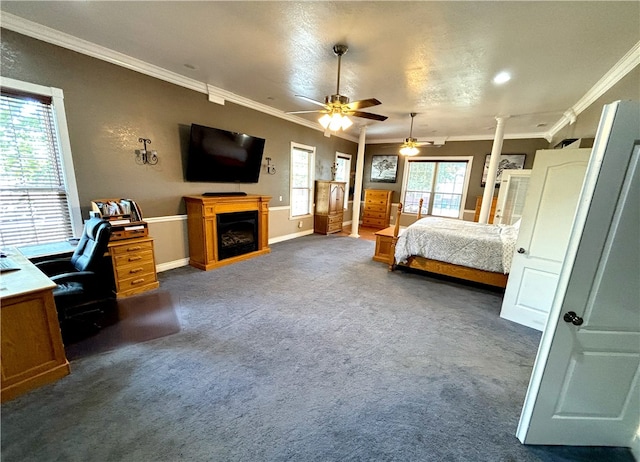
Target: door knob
(521, 250)
(573, 318)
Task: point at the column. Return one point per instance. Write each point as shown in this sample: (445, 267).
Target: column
(357, 187)
(490, 184)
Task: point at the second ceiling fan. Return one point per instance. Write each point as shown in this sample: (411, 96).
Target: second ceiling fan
(337, 108)
(410, 145)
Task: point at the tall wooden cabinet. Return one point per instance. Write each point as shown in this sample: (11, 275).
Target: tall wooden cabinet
(492, 211)
(377, 208)
(329, 206)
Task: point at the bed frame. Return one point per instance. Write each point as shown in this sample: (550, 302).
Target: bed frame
(438, 267)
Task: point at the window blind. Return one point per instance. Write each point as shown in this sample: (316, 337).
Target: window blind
(34, 205)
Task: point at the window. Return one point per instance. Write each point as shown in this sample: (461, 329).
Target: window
(343, 173)
(302, 162)
(38, 203)
(442, 183)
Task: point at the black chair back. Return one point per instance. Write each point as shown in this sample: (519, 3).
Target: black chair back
(92, 245)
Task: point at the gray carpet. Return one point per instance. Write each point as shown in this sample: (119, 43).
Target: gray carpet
(311, 353)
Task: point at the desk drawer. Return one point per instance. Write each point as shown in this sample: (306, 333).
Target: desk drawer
(135, 258)
(140, 280)
(124, 271)
(132, 247)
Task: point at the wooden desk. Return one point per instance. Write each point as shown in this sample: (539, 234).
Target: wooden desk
(32, 353)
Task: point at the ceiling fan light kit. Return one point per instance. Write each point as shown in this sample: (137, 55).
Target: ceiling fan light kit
(337, 107)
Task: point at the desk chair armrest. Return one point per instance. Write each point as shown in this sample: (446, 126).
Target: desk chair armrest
(55, 266)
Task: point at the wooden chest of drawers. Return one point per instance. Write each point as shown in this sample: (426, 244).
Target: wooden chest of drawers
(377, 208)
(492, 210)
(134, 266)
(329, 206)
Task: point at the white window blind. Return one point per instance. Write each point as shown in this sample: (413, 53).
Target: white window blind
(302, 161)
(34, 206)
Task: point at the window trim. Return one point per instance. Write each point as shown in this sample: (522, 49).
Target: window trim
(64, 146)
(467, 176)
(312, 163)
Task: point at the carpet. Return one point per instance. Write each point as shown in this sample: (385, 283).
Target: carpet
(132, 320)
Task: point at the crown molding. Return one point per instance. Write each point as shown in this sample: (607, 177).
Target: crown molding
(625, 65)
(215, 94)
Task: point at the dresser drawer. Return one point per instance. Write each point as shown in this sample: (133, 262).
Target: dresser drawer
(374, 222)
(334, 227)
(374, 214)
(335, 218)
(134, 258)
(131, 248)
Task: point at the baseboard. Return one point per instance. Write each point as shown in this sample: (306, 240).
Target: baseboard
(172, 265)
(286, 237)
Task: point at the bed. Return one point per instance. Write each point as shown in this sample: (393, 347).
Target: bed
(451, 247)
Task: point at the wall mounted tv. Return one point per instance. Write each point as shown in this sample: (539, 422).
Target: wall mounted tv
(221, 156)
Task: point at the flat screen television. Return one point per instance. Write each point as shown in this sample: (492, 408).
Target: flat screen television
(221, 156)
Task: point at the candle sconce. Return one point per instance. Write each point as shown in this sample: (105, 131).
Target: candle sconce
(271, 168)
(143, 156)
(334, 170)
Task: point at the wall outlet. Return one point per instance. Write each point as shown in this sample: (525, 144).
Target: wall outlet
(299, 224)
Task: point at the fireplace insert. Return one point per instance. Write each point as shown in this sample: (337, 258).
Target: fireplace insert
(237, 233)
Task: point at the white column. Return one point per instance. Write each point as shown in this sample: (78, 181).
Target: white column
(357, 187)
(490, 184)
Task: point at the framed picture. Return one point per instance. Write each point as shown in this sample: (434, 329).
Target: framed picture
(507, 161)
(384, 169)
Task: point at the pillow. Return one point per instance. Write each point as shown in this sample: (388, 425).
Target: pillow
(516, 225)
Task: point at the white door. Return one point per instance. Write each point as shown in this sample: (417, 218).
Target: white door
(556, 180)
(585, 388)
(513, 192)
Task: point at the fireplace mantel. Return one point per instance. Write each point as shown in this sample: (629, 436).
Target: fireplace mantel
(202, 214)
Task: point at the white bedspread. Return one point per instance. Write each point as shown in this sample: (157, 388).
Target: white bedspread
(485, 247)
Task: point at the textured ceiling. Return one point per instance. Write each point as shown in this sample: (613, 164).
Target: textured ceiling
(433, 58)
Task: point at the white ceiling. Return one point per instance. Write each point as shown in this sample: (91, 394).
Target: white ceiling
(433, 58)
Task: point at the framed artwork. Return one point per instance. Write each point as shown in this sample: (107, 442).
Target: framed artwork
(507, 161)
(384, 169)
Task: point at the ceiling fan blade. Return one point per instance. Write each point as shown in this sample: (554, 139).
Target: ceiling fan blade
(311, 100)
(361, 104)
(424, 143)
(367, 115)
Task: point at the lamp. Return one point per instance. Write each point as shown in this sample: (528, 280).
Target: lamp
(146, 157)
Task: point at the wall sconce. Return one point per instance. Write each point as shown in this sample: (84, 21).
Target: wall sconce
(271, 168)
(334, 170)
(146, 157)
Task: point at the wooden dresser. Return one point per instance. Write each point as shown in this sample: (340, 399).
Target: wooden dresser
(492, 211)
(329, 206)
(134, 266)
(377, 208)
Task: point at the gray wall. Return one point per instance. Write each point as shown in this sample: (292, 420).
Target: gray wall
(109, 107)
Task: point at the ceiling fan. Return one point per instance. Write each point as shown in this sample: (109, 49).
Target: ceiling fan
(410, 145)
(337, 108)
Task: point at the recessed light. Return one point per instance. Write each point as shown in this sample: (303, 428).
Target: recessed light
(501, 78)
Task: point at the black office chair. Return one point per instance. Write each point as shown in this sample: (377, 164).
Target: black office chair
(84, 280)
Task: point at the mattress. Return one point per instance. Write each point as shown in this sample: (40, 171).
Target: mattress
(474, 245)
